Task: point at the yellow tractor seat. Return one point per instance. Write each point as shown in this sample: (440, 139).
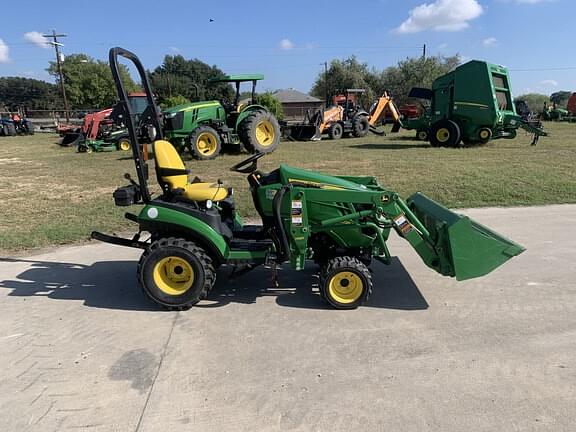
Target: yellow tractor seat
(173, 176)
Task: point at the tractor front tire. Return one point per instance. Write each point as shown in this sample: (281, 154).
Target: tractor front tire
(445, 133)
(124, 144)
(5, 130)
(422, 135)
(360, 126)
(345, 282)
(176, 273)
(260, 132)
(205, 143)
(335, 131)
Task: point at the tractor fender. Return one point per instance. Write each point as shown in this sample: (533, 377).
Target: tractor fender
(155, 218)
(247, 111)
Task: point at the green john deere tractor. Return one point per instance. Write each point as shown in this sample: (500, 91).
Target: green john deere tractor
(340, 222)
(204, 127)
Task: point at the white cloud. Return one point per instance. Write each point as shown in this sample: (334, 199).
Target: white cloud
(442, 46)
(549, 82)
(490, 42)
(37, 39)
(175, 50)
(441, 15)
(531, 1)
(4, 52)
(286, 44)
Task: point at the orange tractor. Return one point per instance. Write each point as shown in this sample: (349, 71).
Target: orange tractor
(345, 118)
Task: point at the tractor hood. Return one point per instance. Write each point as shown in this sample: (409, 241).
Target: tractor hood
(172, 111)
(289, 174)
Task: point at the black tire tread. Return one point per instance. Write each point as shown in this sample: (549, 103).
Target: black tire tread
(192, 139)
(345, 262)
(207, 263)
(249, 140)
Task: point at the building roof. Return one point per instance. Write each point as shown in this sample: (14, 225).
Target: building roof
(294, 96)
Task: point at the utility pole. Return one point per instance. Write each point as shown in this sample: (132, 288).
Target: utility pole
(424, 52)
(326, 83)
(54, 42)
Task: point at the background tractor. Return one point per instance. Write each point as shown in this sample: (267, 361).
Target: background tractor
(346, 118)
(205, 127)
(342, 223)
(472, 104)
(104, 130)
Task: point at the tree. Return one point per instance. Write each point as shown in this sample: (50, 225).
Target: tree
(412, 72)
(33, 94)
(268, 100)
(173, 101)
(89, 82)
(189, 78)
(534, 101)
(342, 75)
(398, 80)
(560, 98)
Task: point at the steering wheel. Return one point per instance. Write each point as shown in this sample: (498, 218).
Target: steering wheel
(248, 165)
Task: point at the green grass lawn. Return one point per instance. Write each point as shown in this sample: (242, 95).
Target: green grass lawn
(52, 195)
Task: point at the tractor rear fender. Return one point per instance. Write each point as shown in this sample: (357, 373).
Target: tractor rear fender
(247, 111)
(154, 218)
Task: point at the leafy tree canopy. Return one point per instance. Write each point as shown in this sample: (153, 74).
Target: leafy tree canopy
(16, 92)
(535, 101)
(268, 100)
(188, 78)
(398, 80)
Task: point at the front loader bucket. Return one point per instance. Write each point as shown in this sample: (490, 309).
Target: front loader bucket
(466, 248)
(304, 132)
(71, 139)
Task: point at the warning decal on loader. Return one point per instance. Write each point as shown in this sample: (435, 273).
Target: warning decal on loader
(296, 212)
(403, 225)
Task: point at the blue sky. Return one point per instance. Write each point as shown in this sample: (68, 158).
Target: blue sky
(288, 41)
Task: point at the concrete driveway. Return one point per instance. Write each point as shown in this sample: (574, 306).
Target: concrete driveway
(82, 349)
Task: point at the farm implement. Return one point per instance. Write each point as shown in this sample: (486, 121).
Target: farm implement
(342, 223)
(473, 105)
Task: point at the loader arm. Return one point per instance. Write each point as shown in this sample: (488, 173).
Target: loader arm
(449, 243)
(384, 102)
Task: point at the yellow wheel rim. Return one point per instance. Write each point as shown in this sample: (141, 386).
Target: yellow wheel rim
(265, 133)
(206, 144)
(173, 275)
(345, 287)
(484, 134)
(125, 145)
(442, 135)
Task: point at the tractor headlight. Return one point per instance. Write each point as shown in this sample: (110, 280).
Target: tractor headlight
(209, 204)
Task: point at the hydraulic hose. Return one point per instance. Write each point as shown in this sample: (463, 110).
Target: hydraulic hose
(283, 253)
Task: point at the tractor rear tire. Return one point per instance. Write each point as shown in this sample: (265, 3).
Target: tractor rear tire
(335, 131)
(360, 126)
(445, 133)
(176, 273)
(260, 132)
(205, 143)
(4, 130)
(345, 282)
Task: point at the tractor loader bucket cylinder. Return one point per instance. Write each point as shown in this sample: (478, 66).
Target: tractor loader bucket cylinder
(71, 139)
(467, 248)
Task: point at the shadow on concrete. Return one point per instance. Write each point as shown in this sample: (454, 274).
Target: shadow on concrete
(104, 284)
(393, 288)
(113, 285)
